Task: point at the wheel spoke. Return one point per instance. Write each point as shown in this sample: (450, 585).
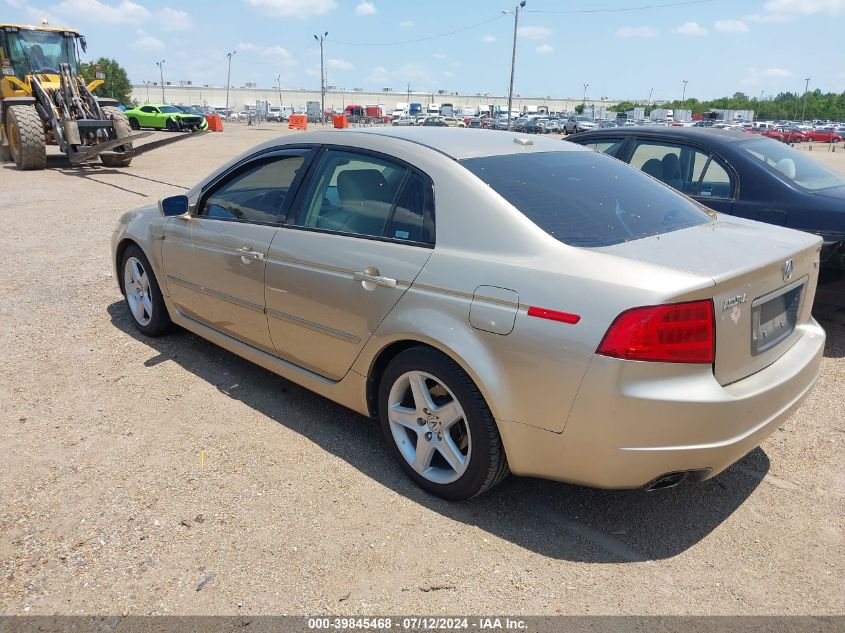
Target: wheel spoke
(422, 396)
(145, 283)
(137, 309)
(147, 304)
(404, 416)
(137, 271)
(422, 458)
(449, 414)
(451, 454)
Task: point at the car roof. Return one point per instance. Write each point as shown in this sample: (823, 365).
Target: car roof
(463, 143)
(707, 135)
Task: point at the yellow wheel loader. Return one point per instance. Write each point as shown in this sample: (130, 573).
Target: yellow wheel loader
(44, 100)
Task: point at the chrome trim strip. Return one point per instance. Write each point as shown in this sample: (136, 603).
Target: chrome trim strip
(216, 294)
(317, 327)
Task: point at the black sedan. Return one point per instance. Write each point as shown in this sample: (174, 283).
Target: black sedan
(745, 175)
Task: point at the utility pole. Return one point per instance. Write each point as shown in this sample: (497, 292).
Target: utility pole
(584, 102)
(804, 107)
(513, 57)
(684, 93)
(322, 76)
(161, 73)
(147, 85)
(279, 82)
(228, 79)
(409, 96)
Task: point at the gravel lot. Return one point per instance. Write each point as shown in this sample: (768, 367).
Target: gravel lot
(299, 509)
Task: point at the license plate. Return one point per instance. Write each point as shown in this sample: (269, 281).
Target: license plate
(773, 316)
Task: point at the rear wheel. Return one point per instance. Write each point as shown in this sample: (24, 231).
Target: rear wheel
(438, 426)
(122, 128)
(133, 123)
(25, 133)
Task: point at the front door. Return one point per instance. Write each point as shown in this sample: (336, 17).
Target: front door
(215, 259)
(364, 230)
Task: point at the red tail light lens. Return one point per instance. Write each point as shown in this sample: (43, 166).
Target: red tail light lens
(674, 333)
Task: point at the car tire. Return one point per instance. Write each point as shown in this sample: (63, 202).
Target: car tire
(463, 453)
(171, 125)
(142, 293)
(133, 123)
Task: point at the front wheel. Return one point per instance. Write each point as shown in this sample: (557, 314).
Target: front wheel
(25, 133)
(171, 125)
(438, 426)
(142, 293)
(122, 128)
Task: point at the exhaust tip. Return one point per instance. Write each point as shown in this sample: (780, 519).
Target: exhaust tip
(673, 479)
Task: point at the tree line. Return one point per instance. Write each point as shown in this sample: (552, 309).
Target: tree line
(785, 105)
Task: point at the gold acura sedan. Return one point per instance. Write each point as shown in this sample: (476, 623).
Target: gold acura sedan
(500, 304)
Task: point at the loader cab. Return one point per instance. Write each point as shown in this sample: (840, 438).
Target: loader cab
(26, 50)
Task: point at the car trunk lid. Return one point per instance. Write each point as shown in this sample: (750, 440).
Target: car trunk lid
(764, 282)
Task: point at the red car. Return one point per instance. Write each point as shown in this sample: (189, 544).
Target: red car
(823, 136)
(786, 135)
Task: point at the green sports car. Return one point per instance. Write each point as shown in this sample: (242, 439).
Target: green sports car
(161, 116)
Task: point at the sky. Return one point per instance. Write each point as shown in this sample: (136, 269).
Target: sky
(619, 48)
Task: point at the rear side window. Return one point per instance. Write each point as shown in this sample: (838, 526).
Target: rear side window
(585, 198)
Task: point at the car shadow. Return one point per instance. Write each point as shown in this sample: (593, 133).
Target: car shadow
(556, 520)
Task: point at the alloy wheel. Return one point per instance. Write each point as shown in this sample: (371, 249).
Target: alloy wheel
(136, 285)
(429, 427)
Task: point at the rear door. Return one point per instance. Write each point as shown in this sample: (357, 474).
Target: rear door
(363, 231)
(215, 258)
(692, 170)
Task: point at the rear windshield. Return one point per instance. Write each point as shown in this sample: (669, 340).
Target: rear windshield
(586, 198)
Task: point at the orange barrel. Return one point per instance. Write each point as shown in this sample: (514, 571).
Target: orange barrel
(298, 122)
(341, 122)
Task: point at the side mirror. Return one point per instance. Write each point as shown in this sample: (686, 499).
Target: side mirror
(174, 205)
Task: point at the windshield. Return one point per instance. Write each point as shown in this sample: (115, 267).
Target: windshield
(791, 165)
(33, 51)
(586, 198)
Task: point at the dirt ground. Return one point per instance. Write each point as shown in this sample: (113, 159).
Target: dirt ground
(297, 508)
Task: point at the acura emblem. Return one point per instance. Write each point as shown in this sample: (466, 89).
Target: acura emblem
(787, 270)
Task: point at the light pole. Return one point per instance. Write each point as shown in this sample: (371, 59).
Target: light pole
(322, 76)
(228, 79)
(584, 102)
(513, 57)
(684, 93)
(161, 73)
(409, 96)
(279, 82)
(147, 85)
(804, 107)
(650, 92)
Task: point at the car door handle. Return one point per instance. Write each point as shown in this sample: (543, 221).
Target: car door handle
(370, 278)
(248, 255)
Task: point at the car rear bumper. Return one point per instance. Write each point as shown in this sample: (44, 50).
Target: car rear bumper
(633, 422)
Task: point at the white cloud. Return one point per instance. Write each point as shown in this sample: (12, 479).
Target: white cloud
(488, 39)
(636, 31)
(534, 32)
(804, 7)
(378, 75)
(174, 20)
(771, 18)
(406, 24)
(409, 72)
(757, 77)
(449, 74)
(544, 49)
(125, 12)
(731, 26)
(340, 64)
(777, 72)
(365, 7)
(246, 46)
(276, 51)
(292, 8)
(693, 29)
(147, 42)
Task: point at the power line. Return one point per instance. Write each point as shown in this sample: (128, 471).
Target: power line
(421, 39)
(623, 9)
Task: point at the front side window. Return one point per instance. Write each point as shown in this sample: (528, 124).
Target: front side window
(585, 198)
(352, 193)
(256, 193)
(149, 109)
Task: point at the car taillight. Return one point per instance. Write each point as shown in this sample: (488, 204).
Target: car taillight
(674, 333)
